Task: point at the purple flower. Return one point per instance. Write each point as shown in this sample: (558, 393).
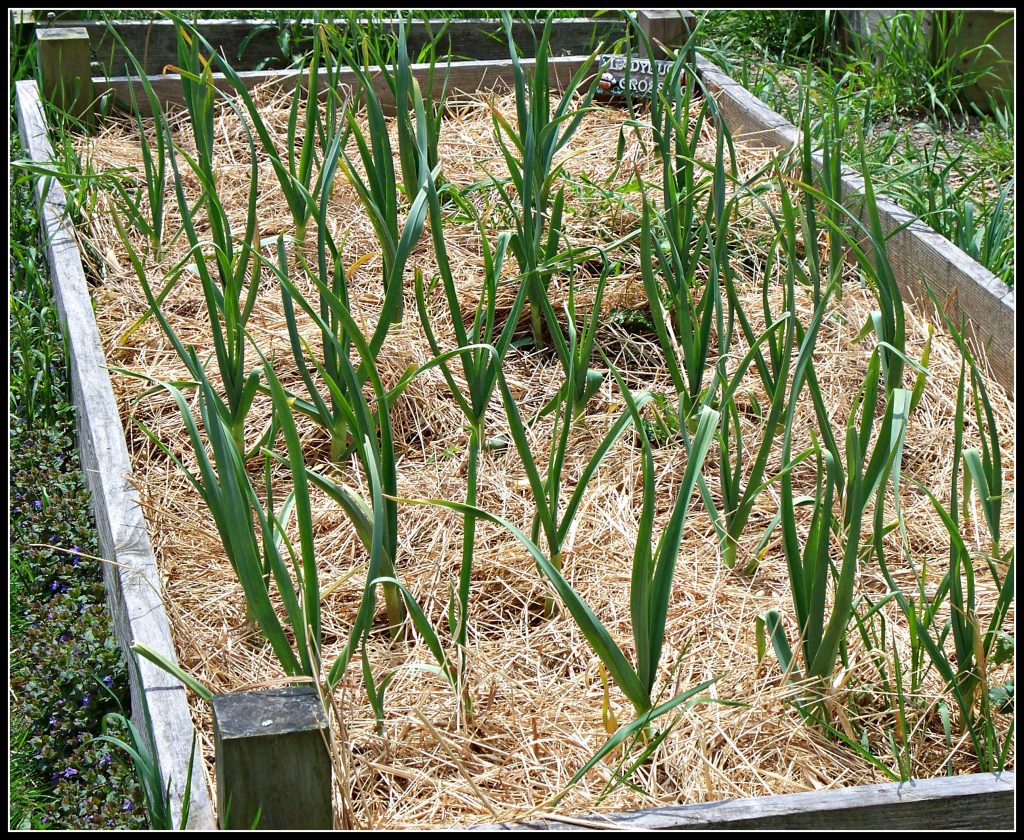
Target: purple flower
(128, 806)
(108, 681)
(55, 586)
(85, 701)
(105, 759)
(64, 637)
(69, 773)
(53, 720)
(38, 504)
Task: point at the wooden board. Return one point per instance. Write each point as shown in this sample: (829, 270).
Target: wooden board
(130, 572)
(917, 253)
(463, 77)
(154, 42)
(981, 802)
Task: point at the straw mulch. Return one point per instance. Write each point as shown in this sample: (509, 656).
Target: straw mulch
(536, 684)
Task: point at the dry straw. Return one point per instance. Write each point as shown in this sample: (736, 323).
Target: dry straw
(541, 705)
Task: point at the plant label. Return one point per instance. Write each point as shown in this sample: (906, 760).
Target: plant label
(618, 71)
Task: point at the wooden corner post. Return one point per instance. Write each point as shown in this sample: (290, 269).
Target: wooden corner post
(666, 28)
(273, 764)
(65, 69)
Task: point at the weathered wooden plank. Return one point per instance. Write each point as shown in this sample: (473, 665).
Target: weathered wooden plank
(918, 254)
(984, 801)
(273, 763)
(154, 42)
(130, 572)
(748, 118)
(463, 77)
(966, 289)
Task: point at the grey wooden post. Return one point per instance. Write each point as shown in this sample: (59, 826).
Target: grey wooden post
(67, 75)
(23, 30)
(273, 764)
(668, 27)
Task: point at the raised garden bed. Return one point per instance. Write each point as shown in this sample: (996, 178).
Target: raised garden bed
(744, 119)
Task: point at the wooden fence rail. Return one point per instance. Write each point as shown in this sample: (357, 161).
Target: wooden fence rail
(255, 42)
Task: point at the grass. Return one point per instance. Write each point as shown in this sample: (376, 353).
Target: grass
(913, 79)
(943, 185)
(772, 34)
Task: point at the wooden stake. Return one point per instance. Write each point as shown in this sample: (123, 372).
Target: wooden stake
(666, 27)
(67, 76)
(273, 765)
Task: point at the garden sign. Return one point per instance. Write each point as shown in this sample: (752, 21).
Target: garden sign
(620, 71)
